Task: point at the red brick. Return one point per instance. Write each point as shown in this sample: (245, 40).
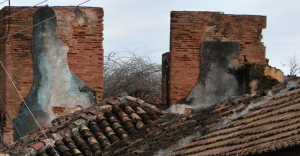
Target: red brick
(189, 29)
(85, 51)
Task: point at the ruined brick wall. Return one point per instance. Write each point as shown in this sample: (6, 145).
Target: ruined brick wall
(189, 29)
(2, 72)
(85, 56)
(274, 73)
(165, 78)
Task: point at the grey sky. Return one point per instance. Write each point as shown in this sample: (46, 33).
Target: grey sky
(142, 24)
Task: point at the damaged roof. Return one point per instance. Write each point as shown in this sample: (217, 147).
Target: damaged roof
(90, 131)
(269, 127)
(244, 125)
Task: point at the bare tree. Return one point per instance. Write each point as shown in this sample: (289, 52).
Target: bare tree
(294, 64)
(129, 72)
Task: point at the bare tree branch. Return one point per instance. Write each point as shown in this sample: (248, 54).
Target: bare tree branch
(129, 72)
(294, 64)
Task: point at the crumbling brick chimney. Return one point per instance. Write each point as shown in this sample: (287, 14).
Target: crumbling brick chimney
(81, 29)
(190, 28)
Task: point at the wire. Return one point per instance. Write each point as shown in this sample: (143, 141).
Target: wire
(42, 21)
(2, 144)
(14, 83)
(23, 10)
(14, 15)
(14, 124)
(8, 22)
(2, 43)
(3, 2)
(25, 105)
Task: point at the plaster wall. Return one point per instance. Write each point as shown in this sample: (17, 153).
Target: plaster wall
(190, 28)
(217, 79)
(274, 73)
(54, 84)
(82, 36)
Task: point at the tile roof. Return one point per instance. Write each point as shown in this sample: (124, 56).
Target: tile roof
(240, 126)
(176, 128)
(272, 126)
(112, 129)
(90, 131)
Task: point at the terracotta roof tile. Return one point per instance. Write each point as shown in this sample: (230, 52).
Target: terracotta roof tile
(64, 150)
(43, 154)
(271, 126)
(242, 125)
(52, 150)
(37, 145)
(90, 131)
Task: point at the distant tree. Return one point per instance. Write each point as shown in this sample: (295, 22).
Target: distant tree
(129, 72)
(293, 63)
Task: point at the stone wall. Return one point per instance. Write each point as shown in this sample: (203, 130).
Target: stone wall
(189, 29)
(80, 30)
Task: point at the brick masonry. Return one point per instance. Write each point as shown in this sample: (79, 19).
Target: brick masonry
(85, 56)
(165, 78)
(189, 29)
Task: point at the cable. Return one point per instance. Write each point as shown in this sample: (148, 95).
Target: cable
(0, 97)
(2, 143)
(25, 105)
(14, 124)
(3, 2)
(14, 15)
(14, 83)
(42, 21)
(23, 10)
(8, 22)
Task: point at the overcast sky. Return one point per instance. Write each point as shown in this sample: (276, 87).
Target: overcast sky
(145, 25)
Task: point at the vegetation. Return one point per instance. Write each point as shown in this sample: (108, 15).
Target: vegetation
(129, 72)
(294, 64)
